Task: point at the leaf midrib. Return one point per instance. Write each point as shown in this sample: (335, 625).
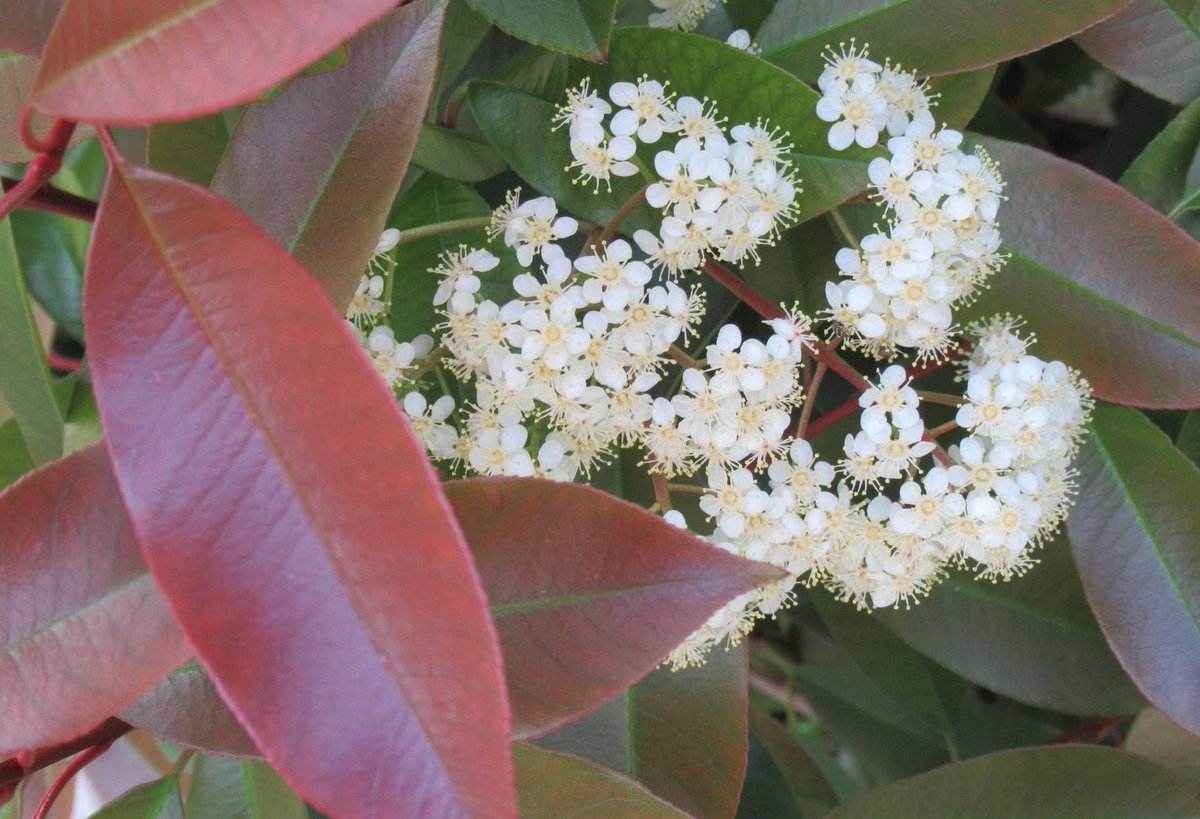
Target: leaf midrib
(564, 601)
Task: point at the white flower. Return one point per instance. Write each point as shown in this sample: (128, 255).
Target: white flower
(858, 118)
(646, 110)
(500, 451)
(613, 278)
(428, 422)
(536, 227)
(733, 497)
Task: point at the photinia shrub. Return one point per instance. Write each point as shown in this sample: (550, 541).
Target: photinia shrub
(650, 408)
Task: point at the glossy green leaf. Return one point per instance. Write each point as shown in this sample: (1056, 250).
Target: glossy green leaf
(462, 34)
(887, 738)
(1134, 534)
(930, 36)
(191, 150)
(456, 154)
(1109, 285)
(895, 667)
(154, 800)
(682, 734)
(432, 200)
(1049, 783)
(1155, 44)
(811, 793)
(52, 248)
(1167, 173)
(24, 374)
(552, 786)
(229, 789)
(1156, 738)
(519, 126)
(579, 27)
(1032, 639)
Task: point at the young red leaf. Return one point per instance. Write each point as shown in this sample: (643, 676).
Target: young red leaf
(287, 512)
(141, 61)
(85, 631)
(589, 593)
(318, 166)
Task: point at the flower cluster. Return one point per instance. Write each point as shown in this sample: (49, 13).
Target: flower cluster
(723, 193)
(684, 15)
(899, 288)
(568, 365)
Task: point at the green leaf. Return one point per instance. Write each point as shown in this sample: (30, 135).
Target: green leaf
(456, 154)
(1167, 173)
(154, 800)
(766, 792)
(191, 150)
(228, 789)
(1032, 639)
(579, 27)
(432, 200)
(462, 33)
(682, 734)
(887, 738)
(52, 248)
(14, 457)
(1155, 44)
(1189, 437)
(1156, 738)
(1134, 534)
(24, 374)
(895, 667)
(1047, 783)
(776, 749)
(1109, 285)
(552, 786)
(929, 36)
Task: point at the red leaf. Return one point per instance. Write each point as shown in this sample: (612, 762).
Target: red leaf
(27, 24)
(139, 61)
(589, 593)
(85, 631)
(319, 166)
(287, 512)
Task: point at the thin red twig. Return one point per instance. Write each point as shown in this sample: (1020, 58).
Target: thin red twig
(14, 770)
(44, 166)
(52, 200)
(832, 417)
(76, 765)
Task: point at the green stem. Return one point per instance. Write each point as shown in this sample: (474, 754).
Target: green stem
(843, 227)
(443, 227)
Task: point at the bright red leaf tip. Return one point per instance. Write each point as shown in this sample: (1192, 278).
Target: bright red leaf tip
(85, 631)
(140, 61)
(288, 514)
(590, 593)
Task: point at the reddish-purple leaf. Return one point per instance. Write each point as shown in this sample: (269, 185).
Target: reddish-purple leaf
(25, 24)
(132, 62)
(589, 593)
(288, 514)
(1110, 285)
(551, 786)
(682, 734)
(85, 631)
(318, 166)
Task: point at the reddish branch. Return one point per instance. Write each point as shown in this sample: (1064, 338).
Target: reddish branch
(12, 771)
(52, 200)
(44, 165)
(76, 765)
(1093, 731)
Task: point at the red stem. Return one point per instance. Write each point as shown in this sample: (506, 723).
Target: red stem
(832, 417)
(44, 166)
(14, 770)
(52, 200)
(76, 765)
